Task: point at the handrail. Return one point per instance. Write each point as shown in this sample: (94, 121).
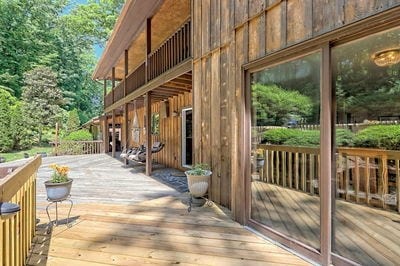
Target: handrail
(70, 147)
(363, 175)
(17, 232)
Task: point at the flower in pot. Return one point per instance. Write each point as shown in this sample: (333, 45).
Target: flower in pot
(198, 179)
(58, 188)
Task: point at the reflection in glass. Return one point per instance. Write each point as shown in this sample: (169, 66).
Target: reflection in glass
(285, 148)
(366, 218)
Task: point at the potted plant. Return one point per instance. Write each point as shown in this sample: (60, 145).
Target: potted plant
(58, 188)
(198, 179)
(260, 160)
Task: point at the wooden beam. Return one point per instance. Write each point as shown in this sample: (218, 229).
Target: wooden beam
(113, 82)
(126, 71)
(148, 48)
(148, 134)
(104, 93)
(126, 129)
(113, 134)
(105, 134)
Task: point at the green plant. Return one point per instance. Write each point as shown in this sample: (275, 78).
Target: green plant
(380, 136)
(60, 174)
(82, 134)
(199, 169)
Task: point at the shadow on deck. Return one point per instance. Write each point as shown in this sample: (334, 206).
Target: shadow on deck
(122, 217)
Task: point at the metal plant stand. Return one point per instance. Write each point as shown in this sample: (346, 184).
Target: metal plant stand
(51, 223)
(198, 202)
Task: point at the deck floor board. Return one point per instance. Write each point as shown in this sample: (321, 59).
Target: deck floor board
(140, 221)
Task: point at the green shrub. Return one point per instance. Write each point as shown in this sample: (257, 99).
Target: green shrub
(379, 136)
(297, 137)
(82, 134)
(279, 136)
(344, 138)
(304, 138)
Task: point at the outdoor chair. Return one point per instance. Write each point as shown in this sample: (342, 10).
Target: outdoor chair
(140, 154)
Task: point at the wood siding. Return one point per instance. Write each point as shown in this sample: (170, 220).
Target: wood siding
(230, 33)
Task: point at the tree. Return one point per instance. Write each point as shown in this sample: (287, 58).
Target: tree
(73, 121)
(42, 98)
(276, 106)
(6, 103)
(21, 132)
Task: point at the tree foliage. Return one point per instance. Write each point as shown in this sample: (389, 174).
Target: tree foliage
(59, 35)
(73, 121)
(42, 98)
(276, 106)
(6, 103)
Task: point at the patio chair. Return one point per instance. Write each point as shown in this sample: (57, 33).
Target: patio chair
(140, 155)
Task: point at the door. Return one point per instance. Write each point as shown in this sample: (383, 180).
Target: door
(187, 137)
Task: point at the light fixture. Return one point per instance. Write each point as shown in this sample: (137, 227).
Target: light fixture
(387, 57)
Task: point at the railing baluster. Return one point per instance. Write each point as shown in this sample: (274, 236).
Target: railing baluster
(357, 178)
(290, 169)
(312, 173)
(367, 176)
(398, 185)
(283, 163)
(296, 169)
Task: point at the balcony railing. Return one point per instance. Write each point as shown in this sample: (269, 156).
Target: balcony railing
(171, 53)
(136, 79)
(365, 176)
(17, 232)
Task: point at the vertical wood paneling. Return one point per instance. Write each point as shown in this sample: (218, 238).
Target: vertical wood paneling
(196, 28)
(215, 24)
(241, 11)
(197, 72)
(206, 112)
(256, 6)
(299, 20)
(227, 20)
(273, 29)
(257, 37)
(215, 126)
(356, 9)
(238, 180)
(327, 15)
(225, 126)
(205, 26)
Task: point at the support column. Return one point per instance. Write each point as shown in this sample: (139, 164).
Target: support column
(125, 132)
(113, 134)
(148, 134)
(148, 47)
(104, 93)
(106, 142)
(113, 82)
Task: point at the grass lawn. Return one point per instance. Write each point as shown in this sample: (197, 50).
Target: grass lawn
(16, 155)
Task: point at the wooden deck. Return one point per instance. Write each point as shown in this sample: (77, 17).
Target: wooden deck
(149, 229)
(368, 235)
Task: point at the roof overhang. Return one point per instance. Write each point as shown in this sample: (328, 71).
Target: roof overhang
(130, 23)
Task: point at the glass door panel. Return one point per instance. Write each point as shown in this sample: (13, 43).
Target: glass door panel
(366, 79)
(285, 134)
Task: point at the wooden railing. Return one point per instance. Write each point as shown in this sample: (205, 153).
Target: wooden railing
(136, 79)
(172, 52)
(17, 232)
(119, 91)
(366, 176)
(108, 100)
(79, 147)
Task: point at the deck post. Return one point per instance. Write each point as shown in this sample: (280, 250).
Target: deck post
(148, 49)
(105, 134)
(126, 105)
(112, 83)
(113, 134)
(104, 93)
(148, 134)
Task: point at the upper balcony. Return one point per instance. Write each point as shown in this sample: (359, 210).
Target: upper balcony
(150, 39)
(172, 52)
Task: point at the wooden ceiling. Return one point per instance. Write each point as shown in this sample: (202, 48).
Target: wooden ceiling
(167, 17)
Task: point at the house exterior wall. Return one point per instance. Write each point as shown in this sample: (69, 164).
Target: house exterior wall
(230, 33)
(169, 129)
